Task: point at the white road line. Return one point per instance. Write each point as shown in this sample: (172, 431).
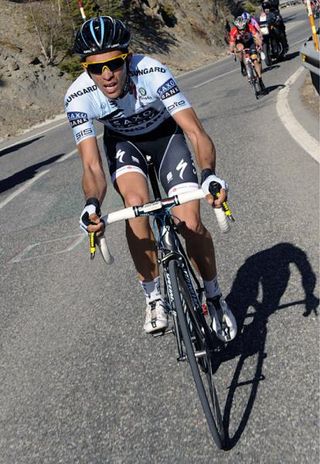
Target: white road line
(23, 255)
(37, 177)
(37, 134)
(23, 188)
(214, 79)
(73, 152)
(295, 129)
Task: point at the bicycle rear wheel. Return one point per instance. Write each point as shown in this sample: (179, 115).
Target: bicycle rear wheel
(198, 344)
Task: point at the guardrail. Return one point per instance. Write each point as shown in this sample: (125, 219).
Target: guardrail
(311, 60)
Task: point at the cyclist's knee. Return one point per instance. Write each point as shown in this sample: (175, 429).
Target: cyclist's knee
(134, 199)
(191, 226)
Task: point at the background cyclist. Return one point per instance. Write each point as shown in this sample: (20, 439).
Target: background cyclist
(252, 20)
(143, 112)
(245, 35)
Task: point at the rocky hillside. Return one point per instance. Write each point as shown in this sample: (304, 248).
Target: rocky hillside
(186, 35)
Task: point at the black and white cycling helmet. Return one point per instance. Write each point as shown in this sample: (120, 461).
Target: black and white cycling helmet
(246, 16)
(101, 34)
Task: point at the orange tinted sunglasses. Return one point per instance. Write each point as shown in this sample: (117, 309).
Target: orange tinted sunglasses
(98, 67)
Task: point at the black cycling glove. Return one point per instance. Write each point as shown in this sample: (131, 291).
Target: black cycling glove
(92, 206)
(210, 183)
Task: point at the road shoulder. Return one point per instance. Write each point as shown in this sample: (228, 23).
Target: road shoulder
(300, 122)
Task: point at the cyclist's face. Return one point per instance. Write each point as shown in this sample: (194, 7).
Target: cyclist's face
(111, 83)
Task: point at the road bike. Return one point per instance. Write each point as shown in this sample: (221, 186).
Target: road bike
(182, 293)
(253, 78)
(252, 75)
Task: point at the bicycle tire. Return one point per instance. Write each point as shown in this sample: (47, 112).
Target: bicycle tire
(252, 78)
(256, 84)
(192, 336)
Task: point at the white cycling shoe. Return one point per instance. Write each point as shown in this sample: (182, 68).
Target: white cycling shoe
(223, 321)
(156, 317)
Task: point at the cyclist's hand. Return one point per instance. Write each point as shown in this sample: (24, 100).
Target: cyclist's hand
(215, 188)
(90, 217)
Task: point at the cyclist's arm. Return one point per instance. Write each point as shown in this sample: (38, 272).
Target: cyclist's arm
(202, 144)
(232, 40)
(93, 179)
(257, 39)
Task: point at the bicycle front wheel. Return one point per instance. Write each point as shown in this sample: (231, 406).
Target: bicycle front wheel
(198, 347)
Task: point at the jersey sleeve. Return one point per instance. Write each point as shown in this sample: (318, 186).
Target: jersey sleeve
(78, 113)
(166, 89)
(233, 35)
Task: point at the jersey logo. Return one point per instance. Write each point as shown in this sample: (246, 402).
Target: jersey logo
(120, 154)
(139, 72)
(76, 118)
(79, 93)
(181, 167)
(135, 120)
(169, 177)
(168, 89)
(84, 134)
(175, 105)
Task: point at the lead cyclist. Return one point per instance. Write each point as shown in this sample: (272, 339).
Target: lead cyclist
(143, 111)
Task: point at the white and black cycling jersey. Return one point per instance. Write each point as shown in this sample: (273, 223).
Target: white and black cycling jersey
(152, 98)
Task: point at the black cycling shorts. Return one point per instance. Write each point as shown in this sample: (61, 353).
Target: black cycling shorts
(169, 152)
(250, 44)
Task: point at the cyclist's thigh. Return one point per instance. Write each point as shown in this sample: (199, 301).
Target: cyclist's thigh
(128, 169)
(123, 157)
(239, 46)
(253, 50)
(174, 164)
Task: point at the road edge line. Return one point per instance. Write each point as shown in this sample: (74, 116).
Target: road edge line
(295, 129)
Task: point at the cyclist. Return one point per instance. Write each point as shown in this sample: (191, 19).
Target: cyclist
(251, 20)
(244, 35)
(139, 103)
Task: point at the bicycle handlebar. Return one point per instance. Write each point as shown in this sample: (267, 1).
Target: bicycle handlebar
(150, 209)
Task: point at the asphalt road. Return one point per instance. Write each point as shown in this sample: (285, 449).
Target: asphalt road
(80, 382)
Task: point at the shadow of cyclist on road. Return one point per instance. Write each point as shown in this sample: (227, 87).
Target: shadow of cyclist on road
(266, 273)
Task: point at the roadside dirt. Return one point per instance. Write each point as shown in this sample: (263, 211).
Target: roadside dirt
(33, 92)
(309, 96)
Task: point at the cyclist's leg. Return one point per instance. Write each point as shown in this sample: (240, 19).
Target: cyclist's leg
(200, 249)
(128, 171)
(177, 174)
(255, 56)
(199, 244)
(133, 189)
(240, 54)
